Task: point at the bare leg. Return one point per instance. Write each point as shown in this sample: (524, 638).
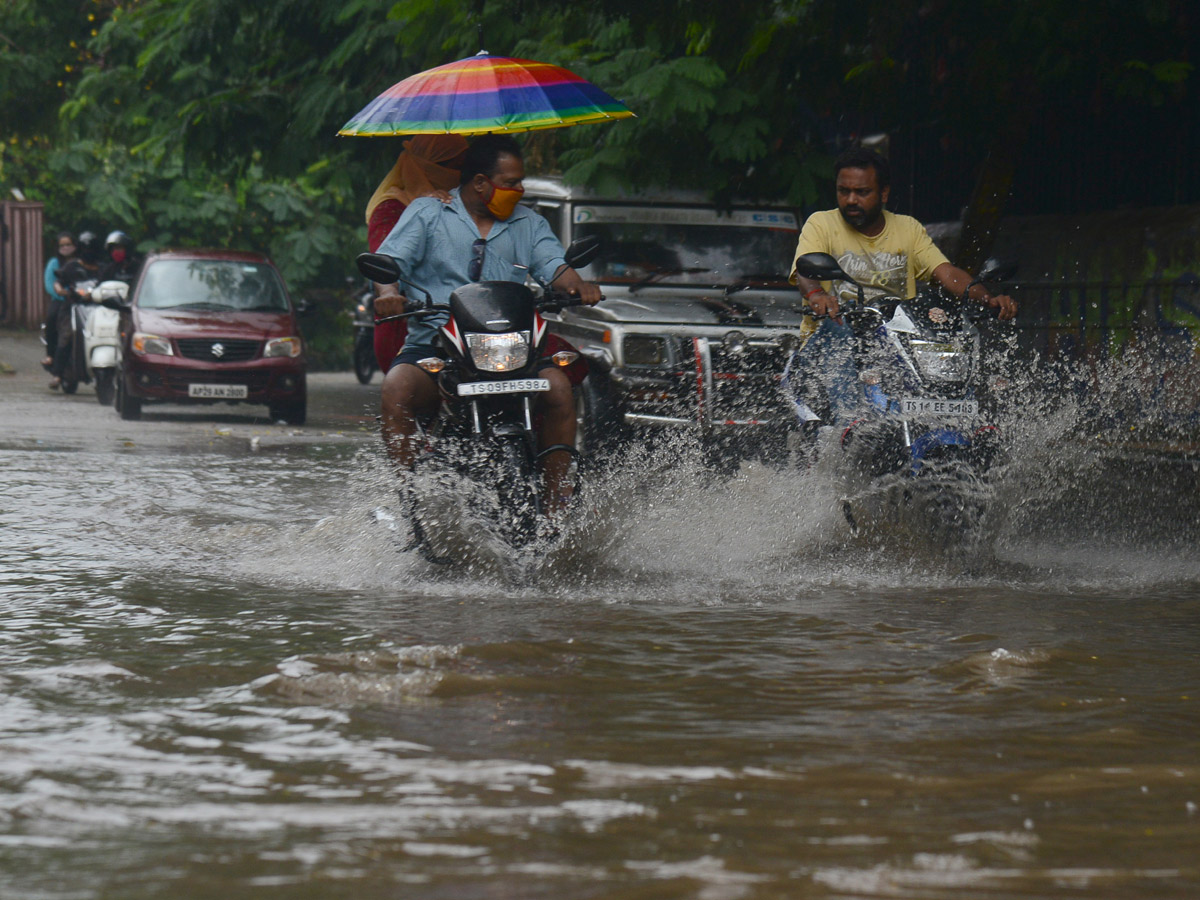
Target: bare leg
(408, 395)
(557, 407)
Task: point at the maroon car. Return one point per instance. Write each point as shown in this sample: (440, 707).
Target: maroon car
(211, 326)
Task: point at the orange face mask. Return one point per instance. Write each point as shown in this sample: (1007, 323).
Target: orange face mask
(503, 200)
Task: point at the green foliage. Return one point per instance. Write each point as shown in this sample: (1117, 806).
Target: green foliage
(213, 121)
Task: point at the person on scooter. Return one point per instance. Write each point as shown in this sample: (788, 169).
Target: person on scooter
(121, 263)
(57, 292)
(79, 267)
(887, 252)
(482, 234)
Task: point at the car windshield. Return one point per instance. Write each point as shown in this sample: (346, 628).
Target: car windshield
(687, 245)
(211, 284)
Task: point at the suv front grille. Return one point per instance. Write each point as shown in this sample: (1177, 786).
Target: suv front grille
(227, 350)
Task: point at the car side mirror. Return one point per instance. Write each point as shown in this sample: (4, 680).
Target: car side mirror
(378, 267)
(583, 251)
(821, 267)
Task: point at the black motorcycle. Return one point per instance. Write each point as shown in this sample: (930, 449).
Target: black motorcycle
(483, 436)
(364, 335)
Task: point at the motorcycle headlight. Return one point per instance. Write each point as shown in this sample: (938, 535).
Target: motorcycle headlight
(941, 362)
(499, 352)
(286, 346)
(144, 343)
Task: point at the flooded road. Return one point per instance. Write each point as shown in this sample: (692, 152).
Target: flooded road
(222, 678)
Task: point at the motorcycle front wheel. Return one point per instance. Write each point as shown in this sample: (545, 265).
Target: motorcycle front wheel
(364, 358)
(513, 473)
(105, 386)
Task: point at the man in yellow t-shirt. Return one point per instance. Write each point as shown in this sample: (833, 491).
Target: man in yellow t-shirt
(885, 252)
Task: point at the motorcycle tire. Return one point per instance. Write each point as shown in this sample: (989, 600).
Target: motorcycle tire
(105, 387)
(364, 360)
(516, 481)
(600, 431)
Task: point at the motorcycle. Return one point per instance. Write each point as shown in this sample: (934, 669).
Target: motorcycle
(922, 443)
(482, 440)
(364, 336)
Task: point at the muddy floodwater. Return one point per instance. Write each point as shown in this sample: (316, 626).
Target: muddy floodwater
(222, 677)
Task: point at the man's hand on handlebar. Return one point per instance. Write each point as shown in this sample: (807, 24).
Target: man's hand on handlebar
(823, 303)
(569, 282)
(1005, 304)
(389, 301)
(587, 292)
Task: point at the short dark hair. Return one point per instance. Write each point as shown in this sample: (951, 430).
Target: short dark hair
(863, 158)
(483, 156)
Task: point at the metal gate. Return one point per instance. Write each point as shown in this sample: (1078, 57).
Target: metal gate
(22, 294)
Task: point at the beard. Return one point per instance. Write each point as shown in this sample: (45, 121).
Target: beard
(861, 218)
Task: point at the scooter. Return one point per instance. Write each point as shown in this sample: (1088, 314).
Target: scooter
(102, 337)
(922, 441)
(482, 442)
(364, 336)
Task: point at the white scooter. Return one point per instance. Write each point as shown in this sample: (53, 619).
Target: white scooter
(102, 337)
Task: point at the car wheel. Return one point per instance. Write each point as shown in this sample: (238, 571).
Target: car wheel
(599, 429)
(104, 386)
(293, 412)
(128, 408)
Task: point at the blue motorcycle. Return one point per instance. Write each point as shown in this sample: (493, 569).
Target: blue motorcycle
(899, 408)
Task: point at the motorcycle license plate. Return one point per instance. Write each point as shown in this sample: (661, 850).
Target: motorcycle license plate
(218, 391)
(516, 386)
(928, 406)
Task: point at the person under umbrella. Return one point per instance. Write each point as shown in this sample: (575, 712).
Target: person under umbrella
(428, 166)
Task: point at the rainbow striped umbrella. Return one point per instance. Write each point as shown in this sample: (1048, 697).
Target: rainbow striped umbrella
(483, 94)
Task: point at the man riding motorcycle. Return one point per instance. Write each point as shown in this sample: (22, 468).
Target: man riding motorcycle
(482, 234)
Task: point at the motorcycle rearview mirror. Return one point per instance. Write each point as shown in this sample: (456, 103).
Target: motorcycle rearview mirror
(582, 251)
(821, 267)
(378, 267)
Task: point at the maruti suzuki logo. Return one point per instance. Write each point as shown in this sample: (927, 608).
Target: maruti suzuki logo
(218, 350)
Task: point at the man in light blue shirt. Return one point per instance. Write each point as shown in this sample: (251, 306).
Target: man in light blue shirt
(482, 234)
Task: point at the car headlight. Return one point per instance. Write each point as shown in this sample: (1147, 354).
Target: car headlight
(285, 346)
(144, 343)
(644, 350)
(499, 352)
(941, 362)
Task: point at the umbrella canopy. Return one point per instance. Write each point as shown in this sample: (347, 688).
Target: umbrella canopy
(484, 94)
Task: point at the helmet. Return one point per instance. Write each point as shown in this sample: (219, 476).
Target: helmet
(88, 244)
(118, 239)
